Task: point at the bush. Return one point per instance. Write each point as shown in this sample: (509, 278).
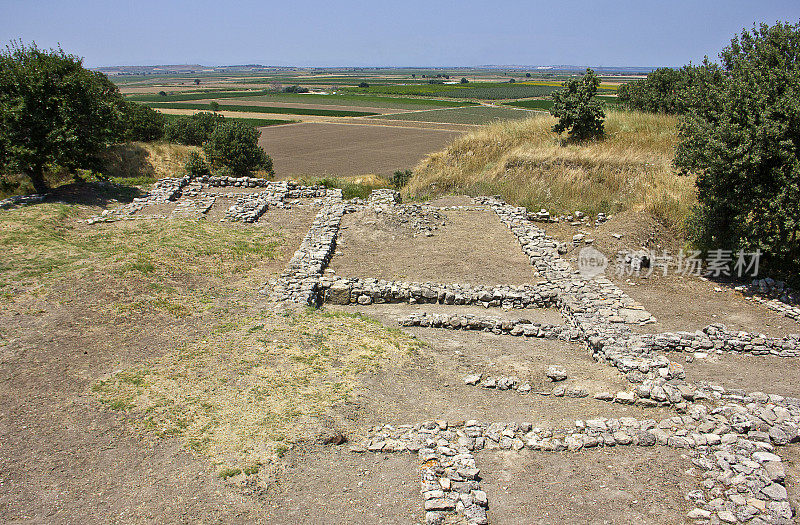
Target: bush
(235, 145)
(196, 166)
(141, 123)
(400, 178)
(193, 130)
(295, 89)
(576, 109)
(665, 90)
(464, 81)
(741, 137)
(363, 85)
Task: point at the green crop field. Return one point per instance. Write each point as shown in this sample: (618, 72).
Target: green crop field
(361, 100)
(477, 90)
(337, 100)
(196, 95)
(469, 115)
(546, 103)
(255, 122)
(262, 109)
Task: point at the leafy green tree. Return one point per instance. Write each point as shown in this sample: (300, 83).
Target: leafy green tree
(464, 80)
(235, 146)
(214, 105)
(577, 111)
(140, 123)
(741, 137)
(53, 111)
(193, 130)
(666, 90)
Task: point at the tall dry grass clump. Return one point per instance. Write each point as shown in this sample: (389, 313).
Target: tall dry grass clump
(528, 165)
(154, 160)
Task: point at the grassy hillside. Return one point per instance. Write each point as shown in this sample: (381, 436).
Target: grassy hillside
(527, 164)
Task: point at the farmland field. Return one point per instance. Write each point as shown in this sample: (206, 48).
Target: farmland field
(546, 104)
(255, 122)
(263, 109)
(316, 149)
(361, 101)
(317, 98)
(471, 115)
(476, 90)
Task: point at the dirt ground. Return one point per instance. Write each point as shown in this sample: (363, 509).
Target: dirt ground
(370, 247)
(604, 486)
(319, 149)
(65, 458)
(332, 485)
(677, 302)
(790, 456)
(300, 215)
(432, 386)
(751, 373)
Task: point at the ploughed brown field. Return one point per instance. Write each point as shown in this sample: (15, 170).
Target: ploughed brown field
(318, 149)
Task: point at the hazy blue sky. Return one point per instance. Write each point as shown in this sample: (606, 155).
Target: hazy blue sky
(401, 32)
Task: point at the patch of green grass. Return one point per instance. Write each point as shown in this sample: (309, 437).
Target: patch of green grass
(141, 181)
(45, 242)
(350, 190)
(229, 472)
(243, 398)
(262, 109)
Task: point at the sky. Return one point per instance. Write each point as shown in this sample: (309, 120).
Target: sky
(330, 33)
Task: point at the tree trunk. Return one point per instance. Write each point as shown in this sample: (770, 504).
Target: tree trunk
(36, 175)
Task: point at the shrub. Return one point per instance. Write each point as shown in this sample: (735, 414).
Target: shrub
(400, 178)
(162, 93)
(193, 130)
(741, 137)
(295, 89)
(196, 166)
(464, 81)
(578, 113)
(140, 123)
(235, 145)
(363, 85)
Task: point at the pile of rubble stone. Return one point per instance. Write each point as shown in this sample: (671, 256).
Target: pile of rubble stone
(497, 325)
(717, 337)
(18, 200)
(342, 290)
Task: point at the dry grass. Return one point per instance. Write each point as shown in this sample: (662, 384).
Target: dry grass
(47, 243)
(144, 160)
(527, 164)
(257, 384)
